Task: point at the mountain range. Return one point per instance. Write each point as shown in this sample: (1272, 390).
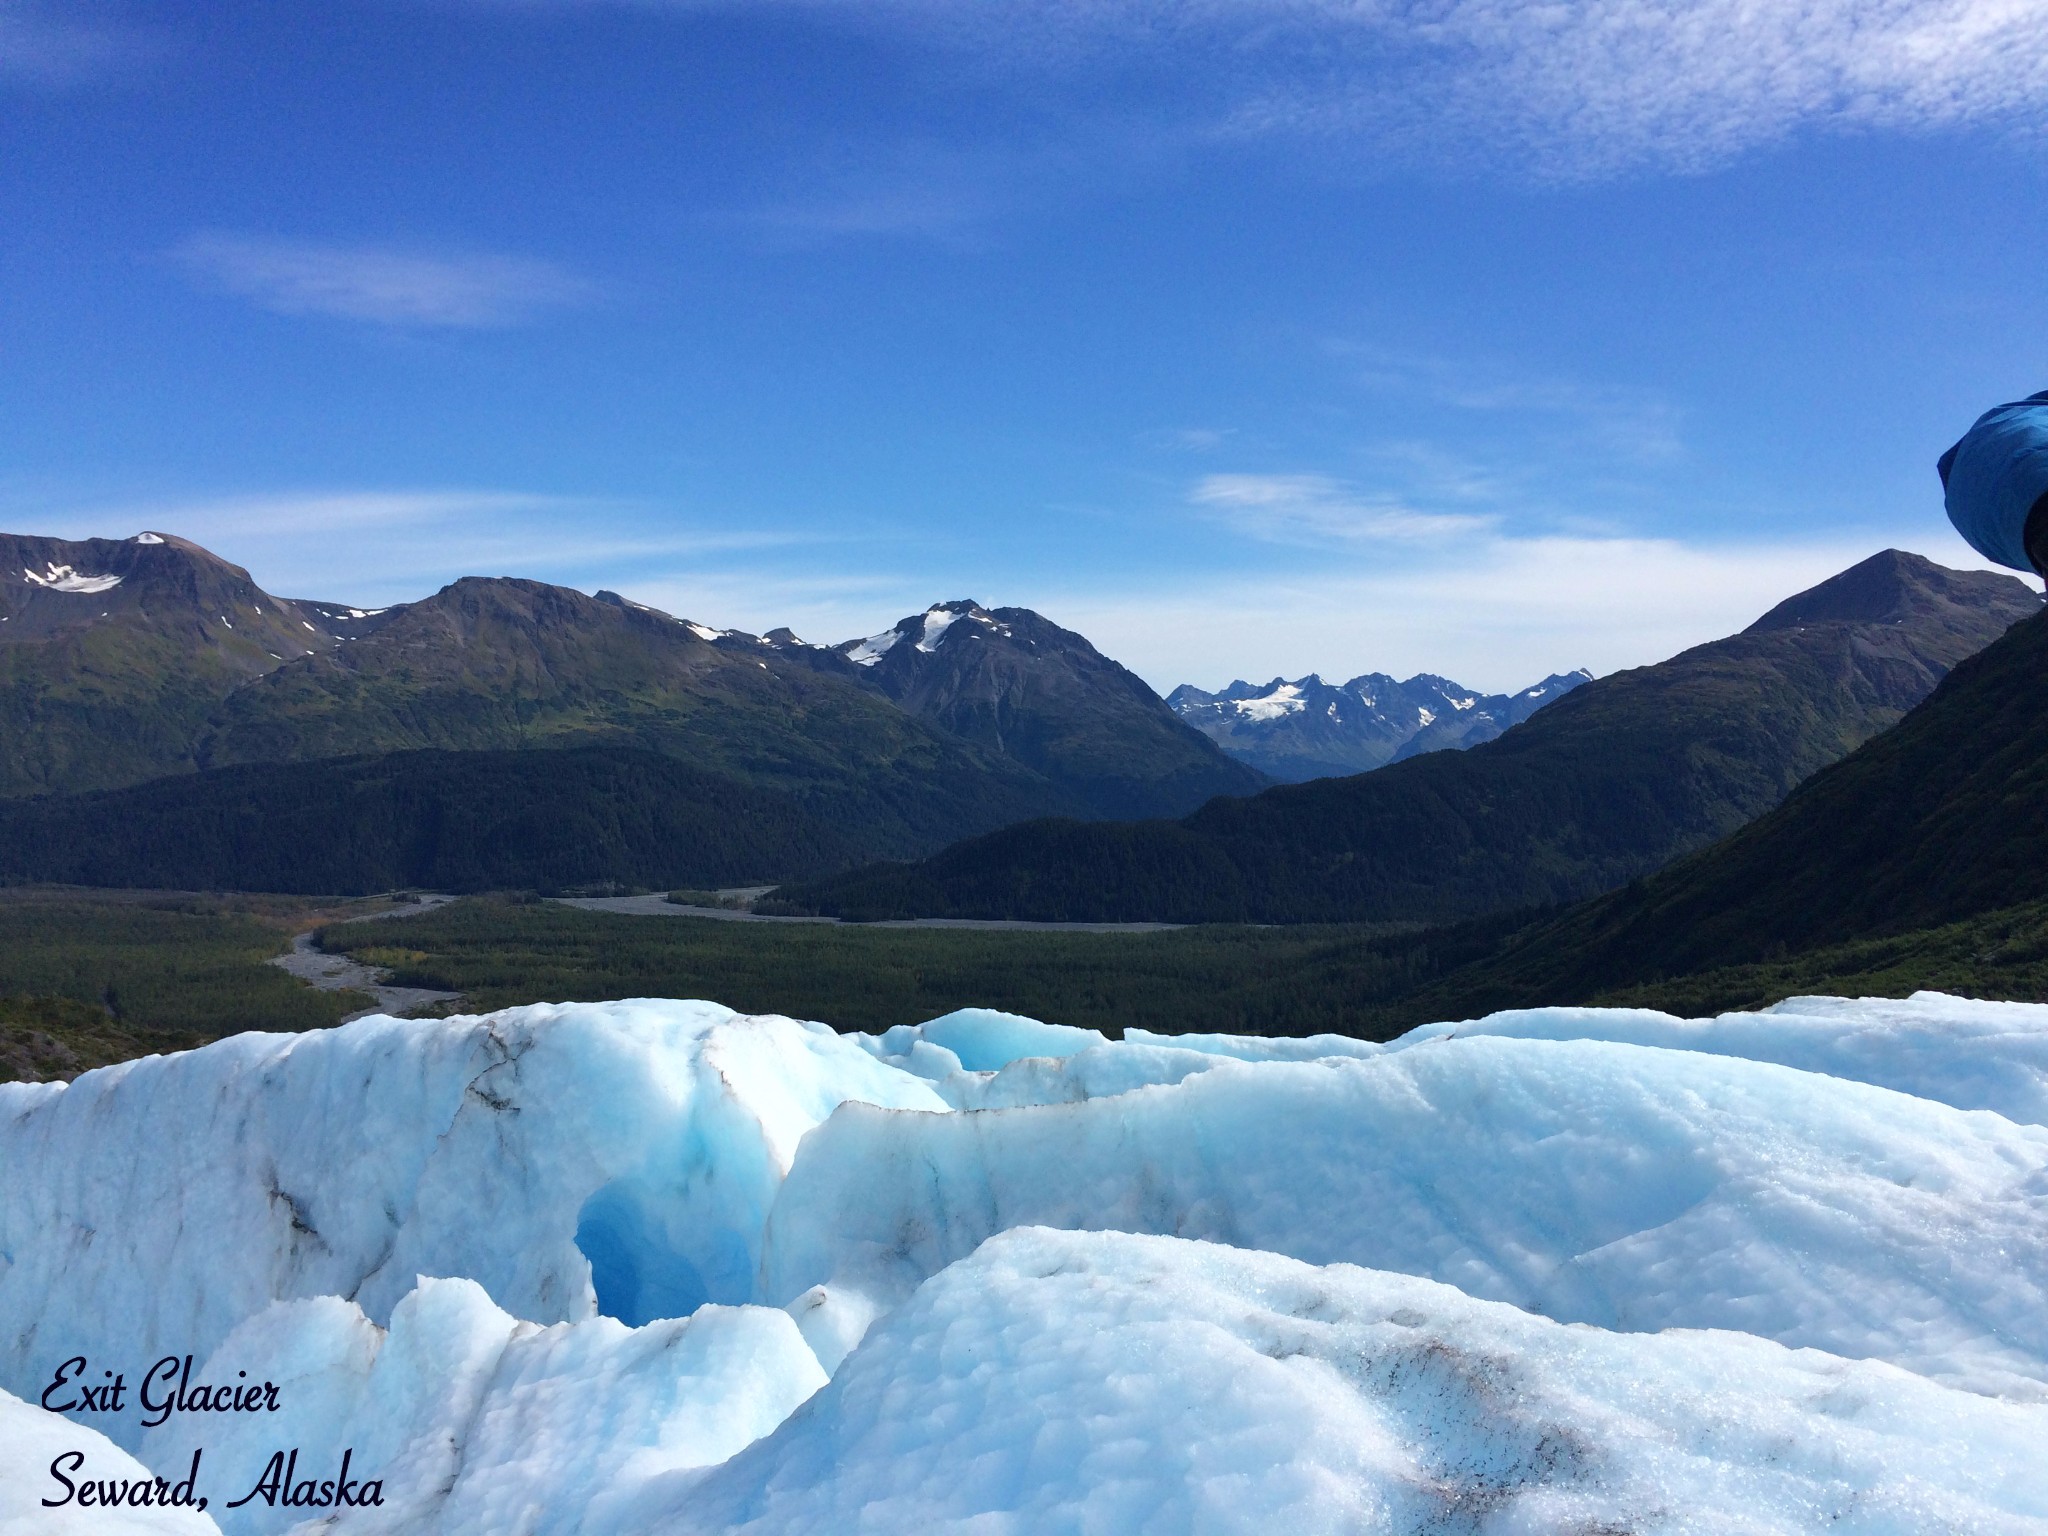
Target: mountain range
(1310, 729)
(165, 721)
(1934, 822)
(1611, 782)
(134, 660)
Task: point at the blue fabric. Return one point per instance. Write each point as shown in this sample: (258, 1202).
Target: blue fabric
(1994, 476)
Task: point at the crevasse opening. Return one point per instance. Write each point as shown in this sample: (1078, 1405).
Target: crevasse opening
(636, 1273)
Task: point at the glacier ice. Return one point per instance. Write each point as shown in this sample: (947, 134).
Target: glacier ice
(1571, 1262)
(1060, 1381)
(1973, 1055)
(1631, 1187)
(31, 1440)
(615, 1157)
(478, 1423)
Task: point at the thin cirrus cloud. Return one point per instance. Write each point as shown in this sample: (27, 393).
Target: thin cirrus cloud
(1319, 509)
(1625, 424)
(385, 546)
(1601, 85)
(1577, 90)
(380, 285)
(1495, 612)
(49, 48)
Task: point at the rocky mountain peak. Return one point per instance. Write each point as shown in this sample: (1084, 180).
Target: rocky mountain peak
(1895, 584)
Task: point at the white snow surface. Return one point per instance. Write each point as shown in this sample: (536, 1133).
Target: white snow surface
(874, 648)
(613, 1156)
(64, 578)
(31, 1439)
(1618, 1185)
(1970, 1054)
(936, 622)
(1060, 1381)
(1555, 1270)
(1283, 700)
(479, 1423)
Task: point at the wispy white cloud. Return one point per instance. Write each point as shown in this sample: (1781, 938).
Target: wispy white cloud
(822, 608)
(1602, 85)
(48, 47)
(1618, 421)
(950, 212)
(385, 546)
(1492, 608)
(1495, 613)
(382, 285)
(1188, 439)
(948, 192)
(1578, 89)
(1318, 509)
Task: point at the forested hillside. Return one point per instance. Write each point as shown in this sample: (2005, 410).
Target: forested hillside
(1611, 782)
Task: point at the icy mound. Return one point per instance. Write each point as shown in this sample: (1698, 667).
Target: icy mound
(1631, 1188)
(618, 1157)
(1828, 1175)
(979, 1058)
(1100, 1382)
(978, 1040)
(31, 1440)
(1970, 1054)
(477, 1424)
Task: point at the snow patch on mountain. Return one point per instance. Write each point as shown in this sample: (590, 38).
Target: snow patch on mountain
(64, 578)
(1285, 699)
(936, 622)
(871, 650)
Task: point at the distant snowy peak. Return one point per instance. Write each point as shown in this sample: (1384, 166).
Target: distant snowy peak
(1306, 728)
(1554, 686)
(1281, 698)
(925, 631)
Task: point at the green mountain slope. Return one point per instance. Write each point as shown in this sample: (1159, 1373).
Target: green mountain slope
(1942, 818)
(455, 821)
(122, 661)
(1607, 784)
(114, 653)
(501, 664)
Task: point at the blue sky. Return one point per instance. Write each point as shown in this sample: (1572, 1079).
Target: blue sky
(1245, 336)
